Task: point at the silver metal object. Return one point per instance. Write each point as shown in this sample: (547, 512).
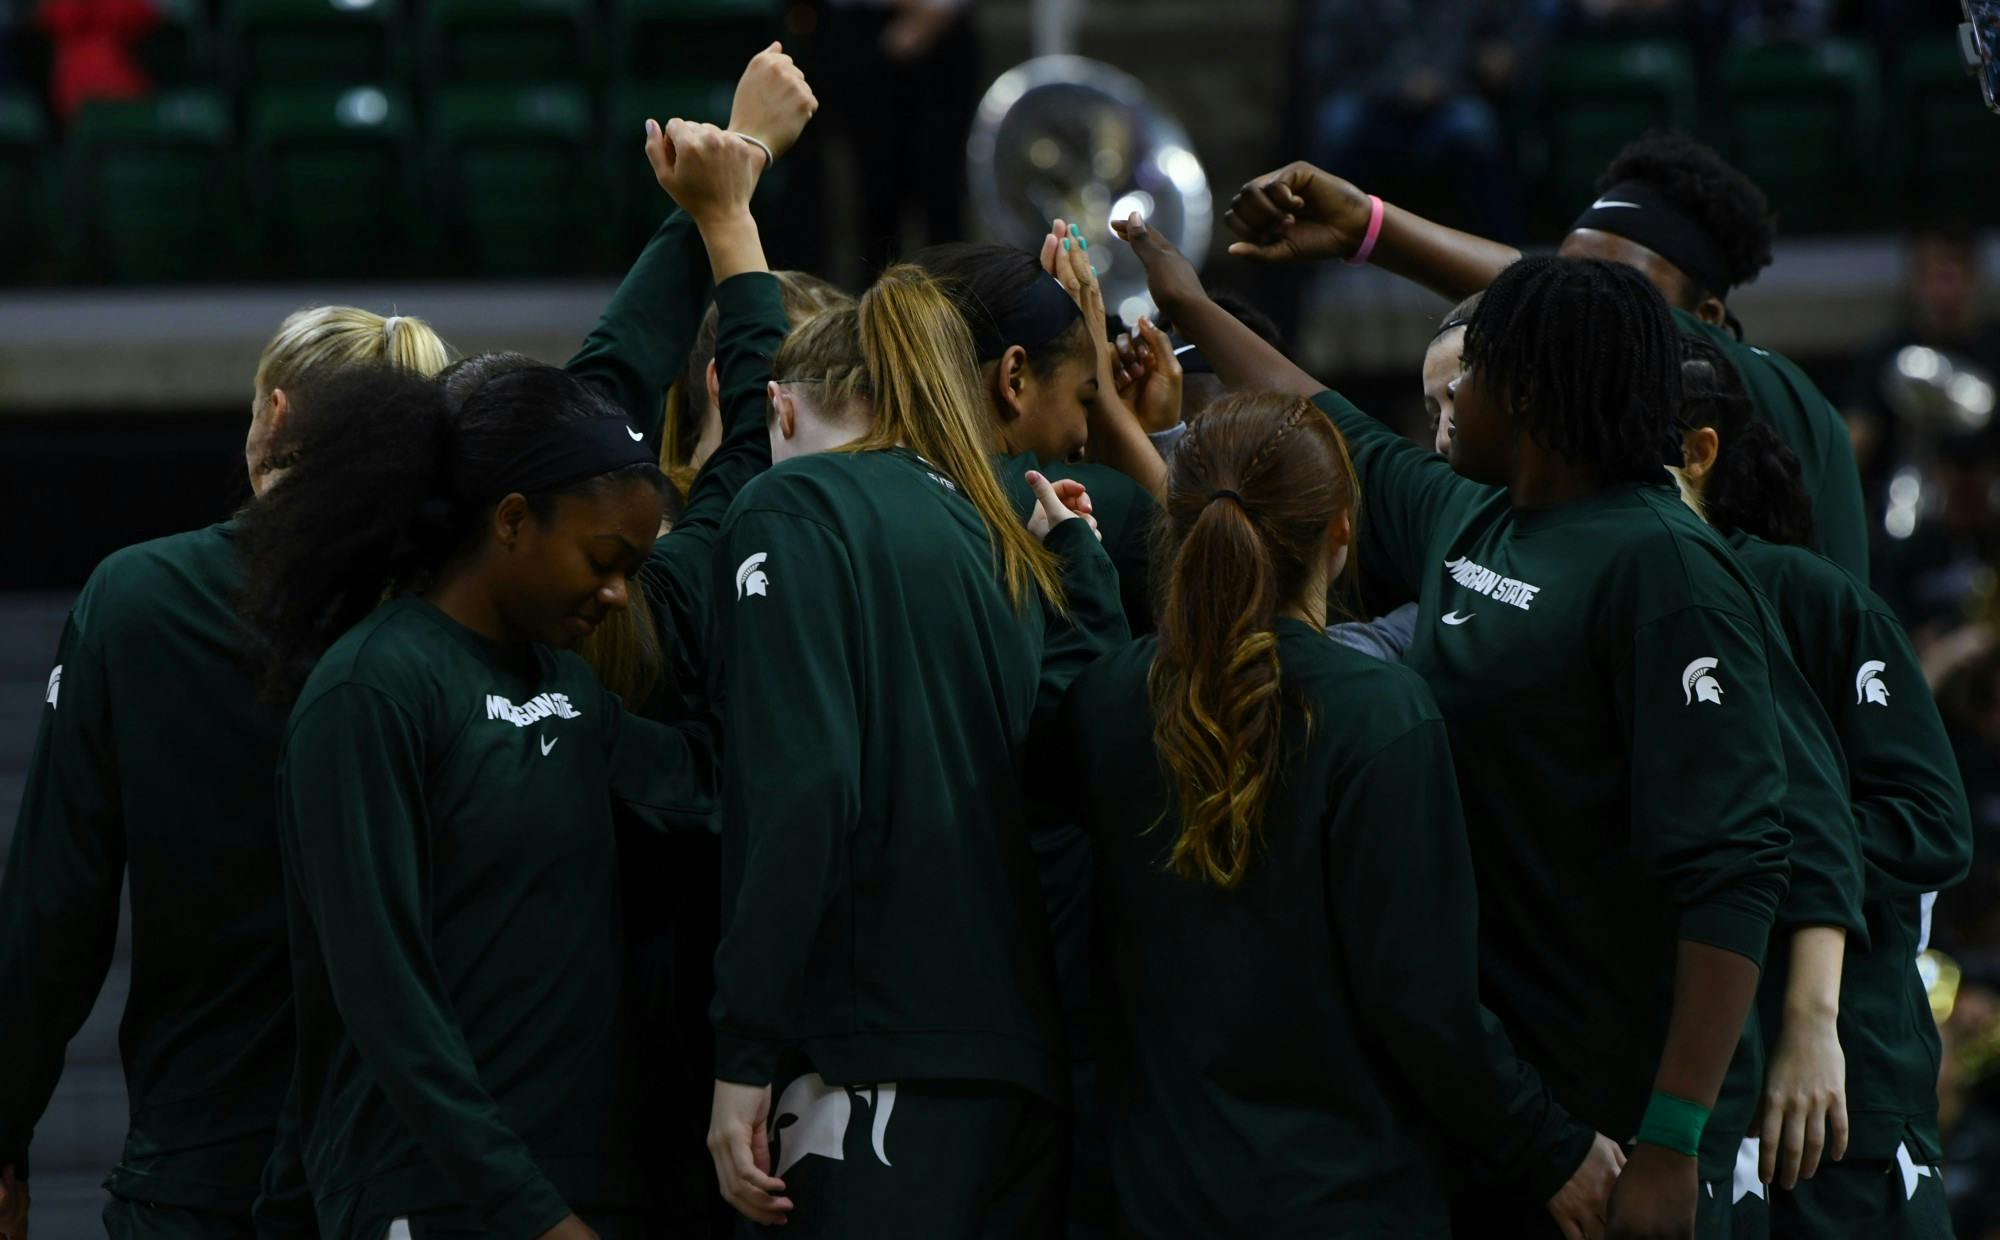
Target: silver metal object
(1066, 137)
(1938, 397)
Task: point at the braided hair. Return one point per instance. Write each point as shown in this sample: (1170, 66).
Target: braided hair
(1584, 356)
(1252, 493)
(1755, 484)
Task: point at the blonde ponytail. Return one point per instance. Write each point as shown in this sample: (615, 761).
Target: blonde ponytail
(326, 336)
(921, 370)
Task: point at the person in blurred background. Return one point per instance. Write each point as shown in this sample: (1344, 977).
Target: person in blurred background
(900, 79)
(153, 765)
(1403, 84)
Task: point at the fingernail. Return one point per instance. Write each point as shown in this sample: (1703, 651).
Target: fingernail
(652, 128)
(1065, 243)
(1083, 241)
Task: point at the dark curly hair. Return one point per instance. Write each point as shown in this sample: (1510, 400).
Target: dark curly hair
(1583, 355)
(1755, 484)
(1702, 186)
(370, 510)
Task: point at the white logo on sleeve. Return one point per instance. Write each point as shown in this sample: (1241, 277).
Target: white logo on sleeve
(1869, 687)
(750, 578)
(636, 436)
(1696, 683)
(55, 685)
(811, 1118)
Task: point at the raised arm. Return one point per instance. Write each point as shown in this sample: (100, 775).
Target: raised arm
(641, 342)
(1301, 214)
(712, 175)
(1116, 436)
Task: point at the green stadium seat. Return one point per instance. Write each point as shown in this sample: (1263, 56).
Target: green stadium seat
(640, 202)
(153, 186)
(331, 177)
(23, 135)
(321, 42)
(692, 38)
(1949, 142)
(508, 41)
(517, 185)
(178, 52)
(1800, 120)
(1599, 95)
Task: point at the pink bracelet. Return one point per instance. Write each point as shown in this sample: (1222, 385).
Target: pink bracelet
(1360, 258)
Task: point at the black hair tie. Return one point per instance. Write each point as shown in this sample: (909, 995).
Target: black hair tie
(1225, 493)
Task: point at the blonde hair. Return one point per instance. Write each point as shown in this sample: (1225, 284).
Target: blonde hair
(921, 376)
(320, 336)
(804, 296)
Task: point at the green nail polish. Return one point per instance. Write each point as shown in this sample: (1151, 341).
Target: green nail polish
(1065, 244)
(1083, 241)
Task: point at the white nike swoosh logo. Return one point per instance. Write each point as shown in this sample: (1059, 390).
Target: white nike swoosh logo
(1454, 619)
(636, 436)
(1602, 203)
(548, 744)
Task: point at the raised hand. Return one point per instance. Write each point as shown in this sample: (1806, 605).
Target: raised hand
(1579, 1206)
(1149, 377)
(1057, 502)
(710, 172)
(1170, 277)
(1297, 214)
(773, 101)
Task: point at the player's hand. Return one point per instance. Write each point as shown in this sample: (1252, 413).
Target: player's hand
(571, 1228)
(1298, 214)
(739, 1140)
(1170, 277)
(773, 101)
(1579, 1206)
(1149, 377)
(1804, 1108)
(1057, 502)
(709, 172)
(13, 1205)
(1655, 1196)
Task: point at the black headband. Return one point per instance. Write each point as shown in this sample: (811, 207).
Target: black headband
(1044, 312)
(558, 455)
(1633, 211)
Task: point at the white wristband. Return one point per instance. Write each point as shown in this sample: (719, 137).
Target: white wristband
(769, 156)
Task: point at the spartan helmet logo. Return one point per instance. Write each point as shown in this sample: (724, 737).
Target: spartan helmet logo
(812, 1116)
(750, 579)
(1868, 685)
(1696, 683)
(54, 690)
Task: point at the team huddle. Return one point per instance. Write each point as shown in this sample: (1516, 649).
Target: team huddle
(927, 765)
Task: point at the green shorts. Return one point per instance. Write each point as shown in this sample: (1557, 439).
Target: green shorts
(1856, 1199)
(945, 1160)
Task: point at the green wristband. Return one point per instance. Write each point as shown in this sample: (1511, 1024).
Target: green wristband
(1673, 1123)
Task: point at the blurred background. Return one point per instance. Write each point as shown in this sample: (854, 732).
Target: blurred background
(176, 175)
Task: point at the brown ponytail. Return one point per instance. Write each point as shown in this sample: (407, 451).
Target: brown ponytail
(1253, 492)
(922, 380)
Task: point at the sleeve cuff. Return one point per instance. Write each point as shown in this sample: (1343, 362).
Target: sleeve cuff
(748, 292)
(530, 1211)
(1063, 539)
(1168, 441)
(745, 1061)
(1744, 932)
